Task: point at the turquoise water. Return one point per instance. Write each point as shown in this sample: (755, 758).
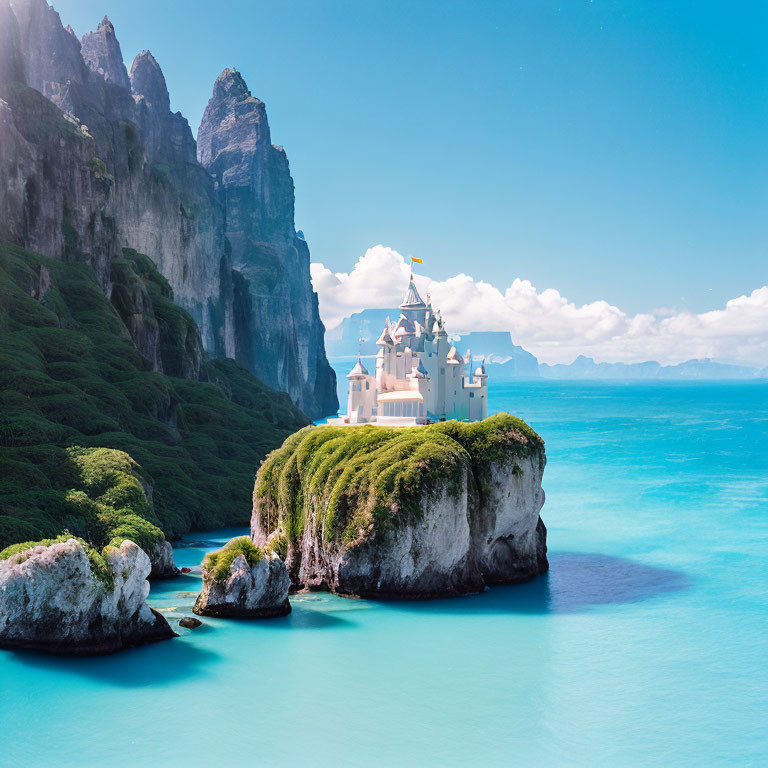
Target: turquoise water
(644, 645)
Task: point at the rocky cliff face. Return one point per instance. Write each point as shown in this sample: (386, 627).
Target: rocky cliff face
(425, 512)
(52, 599)
(102, 163)
(283, 339)
(132, 179)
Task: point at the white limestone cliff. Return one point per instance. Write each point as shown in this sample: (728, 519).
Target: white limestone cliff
(462, 512)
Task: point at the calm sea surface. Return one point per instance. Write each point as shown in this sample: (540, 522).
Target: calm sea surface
(646, 644)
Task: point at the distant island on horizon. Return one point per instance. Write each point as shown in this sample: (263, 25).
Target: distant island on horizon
(506, 360)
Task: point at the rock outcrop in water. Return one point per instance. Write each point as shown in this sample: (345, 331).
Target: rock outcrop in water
(243, 581)
(94, 161)
(161, 559)
(417, 512)
(282, 340)
(62, 599)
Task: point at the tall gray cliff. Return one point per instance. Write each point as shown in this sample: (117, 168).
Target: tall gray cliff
(113, 168)
(283, 334)
(102, 163)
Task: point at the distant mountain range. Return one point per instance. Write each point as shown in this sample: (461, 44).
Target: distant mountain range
(586, 368)
(507, 360)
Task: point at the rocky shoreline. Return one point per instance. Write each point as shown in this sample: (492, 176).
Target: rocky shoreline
(427, 512)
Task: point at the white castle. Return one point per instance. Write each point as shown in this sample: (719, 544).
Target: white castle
(420, 377)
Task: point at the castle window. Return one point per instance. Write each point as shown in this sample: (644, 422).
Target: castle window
(442, 371)
(367, 384)
(471, 394)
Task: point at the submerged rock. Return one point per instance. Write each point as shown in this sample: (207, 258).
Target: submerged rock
(418, 512)
(243, 581)
(189, 622)
(62, 599)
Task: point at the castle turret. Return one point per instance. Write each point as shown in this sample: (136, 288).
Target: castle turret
(361, 403)
(478, 401)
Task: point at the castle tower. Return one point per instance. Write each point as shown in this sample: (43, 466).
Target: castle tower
(478, 405)
(412, 306)
(361, 403)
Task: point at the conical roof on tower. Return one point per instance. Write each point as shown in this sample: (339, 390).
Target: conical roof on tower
(412, 300)
(359, 371)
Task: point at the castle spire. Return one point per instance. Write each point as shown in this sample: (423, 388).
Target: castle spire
(412, 300)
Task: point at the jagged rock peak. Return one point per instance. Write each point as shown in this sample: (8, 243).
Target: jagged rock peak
(233, 116)
(148, 82)
(230, 83)
(101, 52)
(51, 54)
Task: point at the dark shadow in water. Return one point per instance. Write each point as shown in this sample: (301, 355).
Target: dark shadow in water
(575, 582)
(149, 665)
(303, 618)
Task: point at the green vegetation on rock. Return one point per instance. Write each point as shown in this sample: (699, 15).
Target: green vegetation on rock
(113, 504)
(71, 380)
(368, 477)
(218, 563)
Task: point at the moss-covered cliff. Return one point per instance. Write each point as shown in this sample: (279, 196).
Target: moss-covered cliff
(72, 379)
(416, 511)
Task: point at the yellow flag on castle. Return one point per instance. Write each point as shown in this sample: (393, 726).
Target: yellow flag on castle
(418, 261)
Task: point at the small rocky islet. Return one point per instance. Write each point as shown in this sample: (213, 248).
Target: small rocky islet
(417, 512)
(244, 581)
(63, 597)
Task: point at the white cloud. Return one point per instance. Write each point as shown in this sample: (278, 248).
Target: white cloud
(377, 281)
(549, 325)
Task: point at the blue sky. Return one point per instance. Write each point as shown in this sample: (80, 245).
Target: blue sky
(612, 150)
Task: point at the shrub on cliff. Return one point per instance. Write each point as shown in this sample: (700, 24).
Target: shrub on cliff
(218, 563)
(71, 376)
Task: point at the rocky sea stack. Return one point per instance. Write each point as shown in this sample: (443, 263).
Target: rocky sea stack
(416, 512)
(63, 597)
(243, 581)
